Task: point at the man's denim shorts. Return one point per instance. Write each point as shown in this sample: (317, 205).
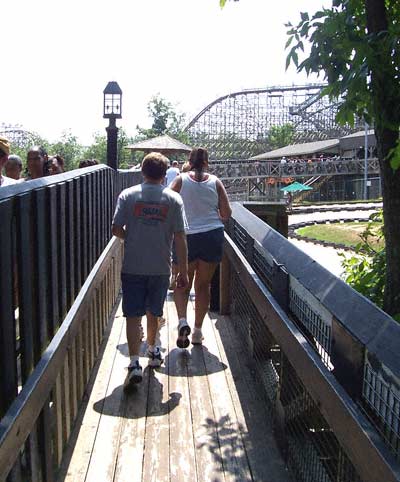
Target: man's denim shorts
(142, 293)
(206, 246)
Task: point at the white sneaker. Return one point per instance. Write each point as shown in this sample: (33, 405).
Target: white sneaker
(197, 337)
(155, 358)
(183, 333)
(134, 376)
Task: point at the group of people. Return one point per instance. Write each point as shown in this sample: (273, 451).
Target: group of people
(180, 225)
(38, 164)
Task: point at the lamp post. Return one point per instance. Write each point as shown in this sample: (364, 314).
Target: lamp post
(112, 109)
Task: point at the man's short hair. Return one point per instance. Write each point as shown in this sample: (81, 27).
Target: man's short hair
(14, 159)
(154, 166)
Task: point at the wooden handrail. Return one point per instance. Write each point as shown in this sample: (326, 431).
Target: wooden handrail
(360, 440)
(21, 417)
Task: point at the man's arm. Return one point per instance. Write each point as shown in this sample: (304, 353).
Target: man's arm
(182, 279)
(119, 218)
(176, 184)
(118, 231)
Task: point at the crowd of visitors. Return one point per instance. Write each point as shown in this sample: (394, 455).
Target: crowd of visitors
(38, 164)
(309, 159)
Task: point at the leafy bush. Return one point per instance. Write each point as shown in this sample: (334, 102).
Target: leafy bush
(365, 269)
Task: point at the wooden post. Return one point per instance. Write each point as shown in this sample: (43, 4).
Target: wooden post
(225, 286)
(280, 286)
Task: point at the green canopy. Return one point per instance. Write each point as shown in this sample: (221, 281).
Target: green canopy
(296, 186)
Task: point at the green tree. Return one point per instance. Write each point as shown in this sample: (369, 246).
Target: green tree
(165, 120)
(69, 149)
(356, 44)
(98, 148)
(281, 136)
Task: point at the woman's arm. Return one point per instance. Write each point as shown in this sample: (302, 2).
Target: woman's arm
(224, 207)
(176, 184)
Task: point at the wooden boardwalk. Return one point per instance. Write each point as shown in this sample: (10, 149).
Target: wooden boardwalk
(197, 418)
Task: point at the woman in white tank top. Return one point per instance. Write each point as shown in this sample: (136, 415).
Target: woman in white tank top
(206, 206)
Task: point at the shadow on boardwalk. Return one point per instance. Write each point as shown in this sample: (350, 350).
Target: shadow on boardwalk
(118, 404)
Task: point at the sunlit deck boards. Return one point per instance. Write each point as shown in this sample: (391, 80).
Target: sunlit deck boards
(197, 418)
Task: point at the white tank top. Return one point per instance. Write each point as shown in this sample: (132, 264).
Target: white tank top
(201, 204)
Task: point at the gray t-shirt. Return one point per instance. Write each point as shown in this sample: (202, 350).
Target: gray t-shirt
(151, 214)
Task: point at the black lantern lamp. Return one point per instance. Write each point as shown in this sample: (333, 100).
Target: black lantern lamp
(112, 110)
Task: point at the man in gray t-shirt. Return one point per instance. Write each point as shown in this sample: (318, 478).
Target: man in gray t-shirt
(148, 217)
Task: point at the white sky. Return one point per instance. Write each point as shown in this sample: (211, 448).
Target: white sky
(58, 55)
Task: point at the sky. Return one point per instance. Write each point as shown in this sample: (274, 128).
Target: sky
(58, 56)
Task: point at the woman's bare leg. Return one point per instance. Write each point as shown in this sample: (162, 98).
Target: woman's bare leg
(202, 280)
(181, 296)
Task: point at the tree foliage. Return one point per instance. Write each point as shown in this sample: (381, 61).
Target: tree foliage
(356, 45)
(98, 148)
(69, 149)
(223, 2)
(343, 48)
(165, 120)
(365, 269)
(281, 136)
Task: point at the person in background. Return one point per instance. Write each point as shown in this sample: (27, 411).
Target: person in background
(148, 217)
(207, 206)
(37, 163)
(13, 167)
(4, 152)
(186, 167)
(56, 164)
(88, 162)
(172, 173)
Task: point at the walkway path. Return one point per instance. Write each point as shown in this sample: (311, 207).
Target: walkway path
(200, 417)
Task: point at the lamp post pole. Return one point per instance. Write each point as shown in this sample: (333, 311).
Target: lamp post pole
(112, 144)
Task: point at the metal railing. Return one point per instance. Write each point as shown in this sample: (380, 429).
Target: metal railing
(59, 281)
(325, 355)
(231, 170)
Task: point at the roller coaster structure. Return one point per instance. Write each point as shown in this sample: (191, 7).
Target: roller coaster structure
(17, 135)
(236, 126)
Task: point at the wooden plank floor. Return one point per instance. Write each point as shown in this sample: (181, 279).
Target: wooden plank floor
(197, 418)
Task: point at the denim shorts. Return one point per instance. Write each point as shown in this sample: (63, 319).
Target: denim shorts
(142, 293)
(206, 246)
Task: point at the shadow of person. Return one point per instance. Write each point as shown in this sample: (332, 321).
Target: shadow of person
(145, 400)
(123, 348)
(196, 361)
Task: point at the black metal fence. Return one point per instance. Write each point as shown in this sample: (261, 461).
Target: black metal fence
(58, 285)
(326, 356)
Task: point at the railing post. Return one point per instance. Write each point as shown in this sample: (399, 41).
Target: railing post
(280, 285)
(214, 298)
(249, 248)
(347, 357)
(225, 286)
